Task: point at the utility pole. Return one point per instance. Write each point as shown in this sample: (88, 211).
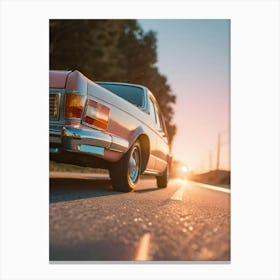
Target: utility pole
(202, 167)
(218, 152)
(210, 160)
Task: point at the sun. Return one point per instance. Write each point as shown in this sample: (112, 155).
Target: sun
(184, 168)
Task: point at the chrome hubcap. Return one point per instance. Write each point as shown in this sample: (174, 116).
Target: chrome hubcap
(134, 163)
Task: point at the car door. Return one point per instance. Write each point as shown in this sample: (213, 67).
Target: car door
(161, 151)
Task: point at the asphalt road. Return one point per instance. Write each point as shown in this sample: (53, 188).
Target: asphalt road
(91, 222)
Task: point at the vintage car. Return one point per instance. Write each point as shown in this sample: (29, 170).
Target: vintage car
(110, 125)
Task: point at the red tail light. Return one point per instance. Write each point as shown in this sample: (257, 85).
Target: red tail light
(74, 105)
(97, 114)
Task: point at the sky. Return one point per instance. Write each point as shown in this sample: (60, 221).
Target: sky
(194, 55)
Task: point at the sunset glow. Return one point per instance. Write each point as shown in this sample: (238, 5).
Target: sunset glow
(195, 57)
(184, 169)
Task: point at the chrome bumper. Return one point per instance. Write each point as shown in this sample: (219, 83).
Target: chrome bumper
(85, 141)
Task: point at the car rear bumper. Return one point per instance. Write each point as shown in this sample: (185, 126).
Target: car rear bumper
(85, 141)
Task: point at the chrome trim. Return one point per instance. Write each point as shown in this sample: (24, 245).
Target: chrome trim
(152, 172)
(65, 132)
(87, 137)
(55, 105)
(54, 132)
(119, 144)
(89, 141)
(61, 106)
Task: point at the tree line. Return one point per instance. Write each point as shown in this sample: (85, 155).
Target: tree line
(112, 50)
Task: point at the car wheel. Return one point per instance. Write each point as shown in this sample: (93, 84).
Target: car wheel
(125, 172)
(162, 180)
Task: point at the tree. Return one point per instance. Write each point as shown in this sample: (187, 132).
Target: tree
(112, 50)
(87, 45)
(139, 48)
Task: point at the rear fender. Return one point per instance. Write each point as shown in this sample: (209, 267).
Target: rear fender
(77, 83)
(141, 136)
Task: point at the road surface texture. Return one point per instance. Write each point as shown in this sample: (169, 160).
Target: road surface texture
(89, 221)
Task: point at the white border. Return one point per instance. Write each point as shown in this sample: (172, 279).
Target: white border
(255, 138)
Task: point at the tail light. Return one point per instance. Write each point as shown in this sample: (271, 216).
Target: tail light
(74, 105)
(97, 114)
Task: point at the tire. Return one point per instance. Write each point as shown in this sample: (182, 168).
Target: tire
(125, 172)
(162, 180)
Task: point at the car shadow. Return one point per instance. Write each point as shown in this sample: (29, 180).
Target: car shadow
(152, 189)
(106, 250)
(65, 189)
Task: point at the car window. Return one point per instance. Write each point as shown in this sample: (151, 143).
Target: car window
(132, 94)
(152, 110)
(160, 126)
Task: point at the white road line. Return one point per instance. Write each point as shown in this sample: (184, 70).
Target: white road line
(219, 189)
(142, 253)
(178, 195)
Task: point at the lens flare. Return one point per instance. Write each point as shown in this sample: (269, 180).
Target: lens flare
(184, 168)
